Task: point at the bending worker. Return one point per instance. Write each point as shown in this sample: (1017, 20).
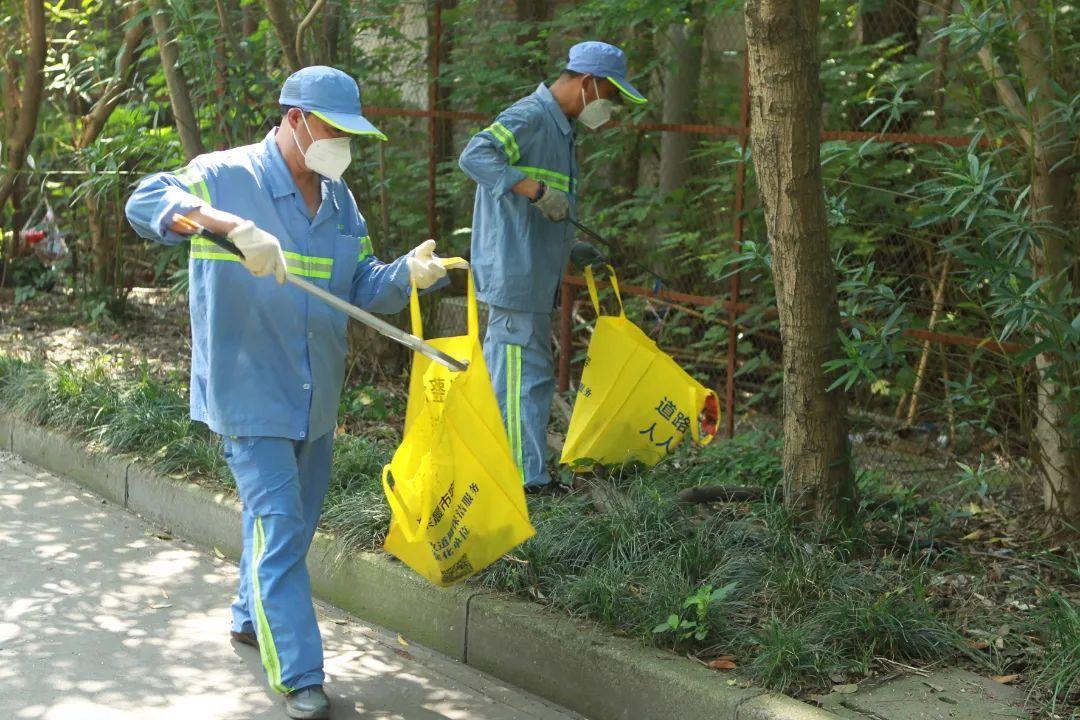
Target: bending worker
(267, 361)
(526, 172)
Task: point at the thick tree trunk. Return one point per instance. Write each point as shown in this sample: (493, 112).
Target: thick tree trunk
(683, 42)
(187, 125)
(25, 125)
(285, 30)
(785, 135)
(1058, 454)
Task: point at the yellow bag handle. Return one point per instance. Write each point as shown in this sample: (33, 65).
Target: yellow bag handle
(591, 282)
(451, 263)
(412, 530)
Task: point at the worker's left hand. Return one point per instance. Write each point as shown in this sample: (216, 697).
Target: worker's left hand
(584, 255)
(425, 267)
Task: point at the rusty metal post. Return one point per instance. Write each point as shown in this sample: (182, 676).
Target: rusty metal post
(434, 50)
(740, 200)
(568, 294)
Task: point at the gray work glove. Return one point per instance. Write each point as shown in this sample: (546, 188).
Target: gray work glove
(583, 255)
(554, 204)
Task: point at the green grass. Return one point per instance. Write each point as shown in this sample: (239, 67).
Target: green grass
(801, 604)
(1058, 680)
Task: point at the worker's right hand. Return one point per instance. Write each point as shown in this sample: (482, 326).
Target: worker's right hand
(554, 204)
(261, 250)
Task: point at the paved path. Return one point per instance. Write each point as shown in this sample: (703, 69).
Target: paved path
(104, 617)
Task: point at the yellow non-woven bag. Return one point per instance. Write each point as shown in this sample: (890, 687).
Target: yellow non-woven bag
(634, 402)
(455, 494)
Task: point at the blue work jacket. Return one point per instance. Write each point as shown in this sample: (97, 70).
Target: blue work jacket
(518, 256)
(268, 359)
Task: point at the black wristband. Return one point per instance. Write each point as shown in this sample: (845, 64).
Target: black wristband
(540, 190)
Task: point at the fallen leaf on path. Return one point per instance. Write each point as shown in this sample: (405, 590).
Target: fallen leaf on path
(338, 621)
(980, 645)
(976, 535)
(218, 553)
(163, 536)
(160, 606)
(402, 640)
(1005, 679)
(402, 654)
(845, 689)
(722, 664)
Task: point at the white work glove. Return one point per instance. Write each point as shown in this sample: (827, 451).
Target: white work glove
(262, 251)
(554, 204)
(425, 267)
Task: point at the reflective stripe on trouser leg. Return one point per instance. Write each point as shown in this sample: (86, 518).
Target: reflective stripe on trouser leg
(524, 383)
(513, 405)
(279, 593)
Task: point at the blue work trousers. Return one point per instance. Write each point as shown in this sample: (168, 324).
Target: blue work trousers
(282, 485)
(517, 350)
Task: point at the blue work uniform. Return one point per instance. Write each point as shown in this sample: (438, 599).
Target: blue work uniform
(267, 367)
(518, 258)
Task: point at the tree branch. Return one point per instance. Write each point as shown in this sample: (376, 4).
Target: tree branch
(1005, 90)
(94, 121)
(304, 24)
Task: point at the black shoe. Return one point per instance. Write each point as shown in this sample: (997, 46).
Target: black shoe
(307, 703)
(245, 638)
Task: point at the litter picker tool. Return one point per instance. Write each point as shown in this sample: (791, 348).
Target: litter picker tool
(362, 316)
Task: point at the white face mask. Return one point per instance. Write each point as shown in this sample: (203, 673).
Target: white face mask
(595, 113)
(328, 157)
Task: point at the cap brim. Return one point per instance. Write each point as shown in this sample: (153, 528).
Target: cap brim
(347, 122)
(628, 91)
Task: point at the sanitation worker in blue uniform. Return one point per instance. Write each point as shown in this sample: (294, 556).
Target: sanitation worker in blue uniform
(526, 174)
(268, 360)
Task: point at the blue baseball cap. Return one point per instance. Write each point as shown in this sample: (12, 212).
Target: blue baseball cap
(606, 61)
(330, 95)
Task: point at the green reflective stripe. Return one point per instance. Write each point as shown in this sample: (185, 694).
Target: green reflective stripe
(308, 265)
(331, 123)
(513, 405)
(550, 177)
(504, 136)
(297, 264)
(366, 249)
(195, 184)
(626, 93)
(267, 649)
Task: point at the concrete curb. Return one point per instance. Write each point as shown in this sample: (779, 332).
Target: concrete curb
(590, 672)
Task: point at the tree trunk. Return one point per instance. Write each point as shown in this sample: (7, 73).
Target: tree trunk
(680, 78)
(187, 125)
(1050, 202)
(785, 107)
(331, 30)
(285, 30)
(102, 243)
(18, 143)
(439, 96)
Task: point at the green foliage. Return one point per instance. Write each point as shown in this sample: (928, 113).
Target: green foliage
(691, 623)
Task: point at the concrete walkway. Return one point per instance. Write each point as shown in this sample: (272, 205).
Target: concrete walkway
(102, 616)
